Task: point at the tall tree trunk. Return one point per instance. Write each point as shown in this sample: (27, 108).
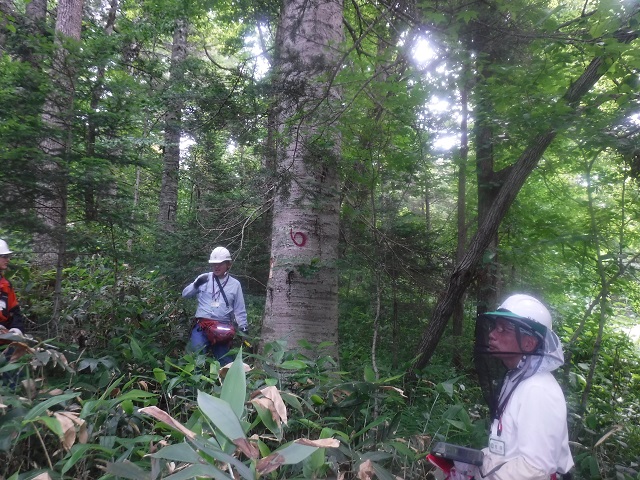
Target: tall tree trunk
(7, 10)
(51, 207)
(90, 196)
(458, 312)
(36, 11)
(489, 51)
(302, 291)
(518, 173)
(168, 210)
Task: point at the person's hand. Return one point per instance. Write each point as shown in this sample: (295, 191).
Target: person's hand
(15, 331)
(201, 280)
(245, 330)
(3, 330)
(462, 471)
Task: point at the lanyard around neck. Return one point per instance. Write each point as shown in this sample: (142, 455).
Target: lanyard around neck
(221, 290)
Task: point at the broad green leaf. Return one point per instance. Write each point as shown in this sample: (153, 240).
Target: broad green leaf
(180, 452)
(41, 408)
(292, 400)
(375, 423)
(127, 469)
(127, 406)
(369, 374)
(382, 473)
(268, 421)
(295, 453)
(52, 423)
(293, 365)
(207, 449)
(458, 424)
(402, 449)
(234, 387)
(159, 374)
(194, 471)
(136, 350)
(221, 415)
(79, 451)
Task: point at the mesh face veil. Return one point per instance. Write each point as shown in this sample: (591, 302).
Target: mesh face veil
(513, 343)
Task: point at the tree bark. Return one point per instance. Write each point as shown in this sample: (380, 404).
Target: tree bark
(168, 208)
(458, 311)
(302, 291)
(57, 115)
(7, 10)
(91, 201)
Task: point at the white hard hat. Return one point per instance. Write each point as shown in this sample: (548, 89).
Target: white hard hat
(528, 312)
(219, 255)
(527, 307)
(4, 248)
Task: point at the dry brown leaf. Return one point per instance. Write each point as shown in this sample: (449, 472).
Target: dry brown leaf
(68, 430)
(83, 435)
(365, 471)
(268, 404)
(19, 350)
(269, 463)
(421, 442)
(389, 387)
(223, 371)
(273, 394)
(42, 476)
(246, 447)
(320, 443)
(30, 388)
(615, 429)
(163, 416)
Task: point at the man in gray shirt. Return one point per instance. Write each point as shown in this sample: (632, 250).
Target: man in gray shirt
(220, 304)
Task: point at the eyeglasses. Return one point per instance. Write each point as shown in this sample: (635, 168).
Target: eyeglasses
(501, 328)
(7, 256)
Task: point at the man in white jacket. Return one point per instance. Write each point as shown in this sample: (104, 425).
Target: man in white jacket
(528, 438)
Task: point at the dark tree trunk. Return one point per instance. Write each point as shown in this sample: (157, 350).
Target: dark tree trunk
(518, 174)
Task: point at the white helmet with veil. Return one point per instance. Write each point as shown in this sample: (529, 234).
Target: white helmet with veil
(529, 317)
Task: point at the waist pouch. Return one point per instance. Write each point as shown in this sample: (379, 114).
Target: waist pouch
(217, 332)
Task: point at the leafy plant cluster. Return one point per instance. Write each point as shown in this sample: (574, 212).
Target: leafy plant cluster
(287, 417)
(129, 403)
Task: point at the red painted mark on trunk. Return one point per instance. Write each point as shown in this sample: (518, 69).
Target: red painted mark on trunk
(299, 238)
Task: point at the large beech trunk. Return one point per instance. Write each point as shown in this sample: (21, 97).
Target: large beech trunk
(302, 291)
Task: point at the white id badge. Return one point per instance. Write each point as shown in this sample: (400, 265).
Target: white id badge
(215, 304)
(496, 446)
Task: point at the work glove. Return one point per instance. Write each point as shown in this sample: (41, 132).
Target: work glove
(201, 280)
(3, 305)
(245, 330)
(15, 331)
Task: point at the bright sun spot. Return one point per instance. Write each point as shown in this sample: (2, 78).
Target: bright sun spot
(186, 143)
(423, 52)
(439, 105)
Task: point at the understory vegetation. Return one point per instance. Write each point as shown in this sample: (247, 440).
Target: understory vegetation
(117, 397)
(414, 155)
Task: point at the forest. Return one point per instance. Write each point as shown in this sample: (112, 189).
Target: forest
(381, 172)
